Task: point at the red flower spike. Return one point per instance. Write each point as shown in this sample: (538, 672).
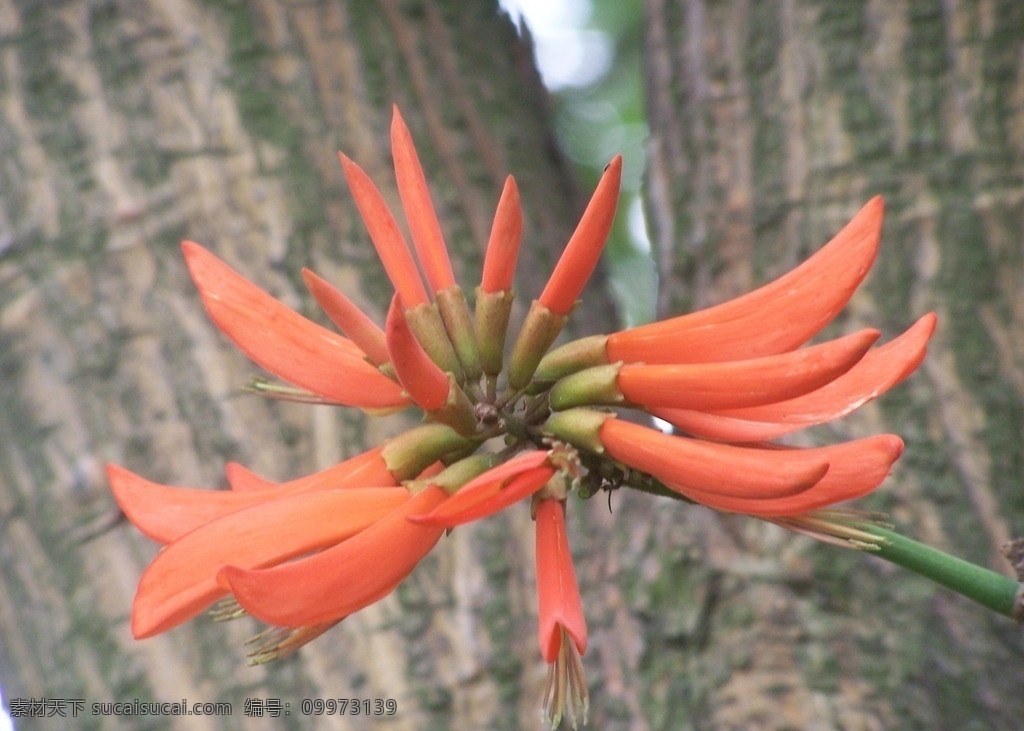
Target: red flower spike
(855, 469)
(419, 210)
(491, 491)
(386, 236)
(776, 318)
(584, 248)
(166, 513)
(284, 342)
(424, 381)
(344, 578)
(718, 469)
(348, 318)
(503, 245)
(742, 383)
(878, 371)
(182, 580)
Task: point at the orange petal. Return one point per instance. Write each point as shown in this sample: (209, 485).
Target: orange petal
(424, 381)
(366, 468)
(419, 210)
(776, 318)
(182, 580)
(558, 596)
(584, 248)
(503, 245)
(165, 513)
(855, 469)
(284, 342)
(347, 316)
(344, 578)
(491, 491)
(708, 467)
(742, 383)
(241, 478)
(878, 371)
(386, 236)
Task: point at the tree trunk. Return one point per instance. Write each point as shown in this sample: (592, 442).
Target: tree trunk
(772, 122)
(129, 126)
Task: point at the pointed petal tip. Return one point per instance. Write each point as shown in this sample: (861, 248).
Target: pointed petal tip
(398, 125)
(142, 628)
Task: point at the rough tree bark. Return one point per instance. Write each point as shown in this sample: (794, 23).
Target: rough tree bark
(772, 122)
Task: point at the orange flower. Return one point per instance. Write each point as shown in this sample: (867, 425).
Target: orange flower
(337, 581)
(386, 236)
(503, 245)
(304, 554)
(584, 248)
(561, 627)
(491, 491)
(775, 318)
(419, 209)
(285, 343)
(182, 580)
(348, 318)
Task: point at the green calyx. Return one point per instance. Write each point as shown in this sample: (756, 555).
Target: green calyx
(455, 475)
(492, 315)
(595, 386)
(425, 322)
(572, 357)
(457, 410)
(408, 454)
(580, 427)
(454, 311)
(539, 331)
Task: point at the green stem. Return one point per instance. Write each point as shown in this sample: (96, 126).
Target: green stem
(990, 589)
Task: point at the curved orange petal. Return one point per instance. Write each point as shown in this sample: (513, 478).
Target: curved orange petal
(503, 244)
(878, 371)
(165, 513)
(182, 579)
(773, 319)
(344, 578)
(346, 315)
(364, 469)
(855, 469)
(241, 478)
(558, 595)
(284, 342)
(491, 491)
(582, 252)
(422, 378)
(720, 469)
(386, 236)
(419, 209)
(742, 383)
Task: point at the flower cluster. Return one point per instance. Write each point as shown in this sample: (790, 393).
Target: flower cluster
(541, 424)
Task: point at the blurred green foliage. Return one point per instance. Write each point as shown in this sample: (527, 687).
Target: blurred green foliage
(601, 118)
